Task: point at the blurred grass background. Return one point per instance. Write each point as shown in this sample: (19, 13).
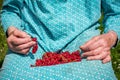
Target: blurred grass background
(115, 52)
(3, 45)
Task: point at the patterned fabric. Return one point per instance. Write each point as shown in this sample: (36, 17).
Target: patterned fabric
(58, 25)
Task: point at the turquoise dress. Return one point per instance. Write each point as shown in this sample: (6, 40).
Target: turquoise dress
(58, 25)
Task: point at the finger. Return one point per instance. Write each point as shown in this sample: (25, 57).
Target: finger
(10, 30)
(99, 57)
(20, 41)
(9, 43)
(25, 46)
(24, 51)
(95, 51)
(94, 46)
(92, 52)
(106, 59)
(86, 47)
(20, 34)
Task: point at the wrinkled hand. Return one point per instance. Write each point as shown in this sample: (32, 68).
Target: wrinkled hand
(98, 48)
(19, 41)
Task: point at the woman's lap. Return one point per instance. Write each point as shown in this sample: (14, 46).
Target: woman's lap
(18, 68)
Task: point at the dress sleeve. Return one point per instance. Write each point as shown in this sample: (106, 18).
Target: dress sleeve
(10, 14)
(111, 9)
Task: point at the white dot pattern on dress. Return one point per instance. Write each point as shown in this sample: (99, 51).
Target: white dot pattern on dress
(57, 24)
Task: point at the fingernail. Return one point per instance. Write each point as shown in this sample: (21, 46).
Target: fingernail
(82, 55)
(103, 62)
(34, 42)
(88, 58)
(29, 36)
(81, 46)
(27, 53)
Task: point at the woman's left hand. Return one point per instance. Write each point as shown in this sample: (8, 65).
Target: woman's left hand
(98, 48)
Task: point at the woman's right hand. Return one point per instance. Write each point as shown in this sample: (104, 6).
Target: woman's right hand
(19, 41)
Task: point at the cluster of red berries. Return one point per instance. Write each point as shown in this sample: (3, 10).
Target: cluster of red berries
(35, 47)
(53, 58)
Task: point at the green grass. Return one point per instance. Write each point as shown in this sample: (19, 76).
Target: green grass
(3, 46)
(115, 52)
(116, 60)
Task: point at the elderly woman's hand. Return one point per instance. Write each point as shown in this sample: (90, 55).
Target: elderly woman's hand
(19, 41)
(98, 48)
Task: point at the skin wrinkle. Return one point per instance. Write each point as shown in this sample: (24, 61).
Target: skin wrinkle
(92, 52)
